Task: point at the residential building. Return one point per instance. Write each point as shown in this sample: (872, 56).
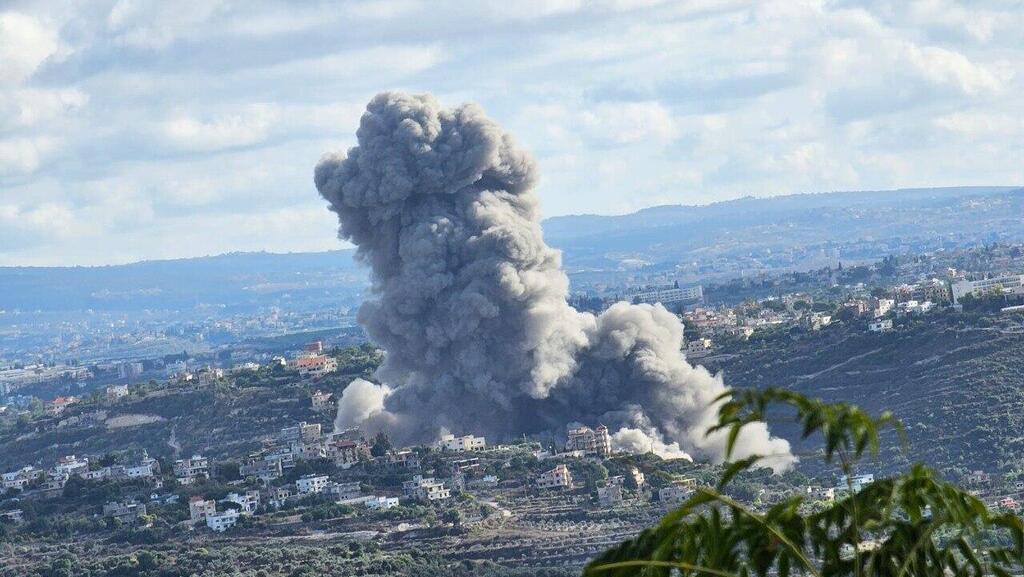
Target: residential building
(265, 470)
(310, 484)
(70, 465)
(199, 508)
(382, 503)
(59, 404)
(609, 495)
(882, 307)
(590, 441)
(880, 326)
(464, 443)
(559, 478)
(249, 501)
(405, 458)
(223, 521)
(698, 347)
(856, 482)
(188, 470)
(115, 392)
(126, 511)
(13, 516)
(302, 432)
(346, 453)
(669, 295)
(638, 476)
(314, 366)
(322, 401)
(425, 489)
(984, 287)
(677, 492)
(343, 491)
(279, 497)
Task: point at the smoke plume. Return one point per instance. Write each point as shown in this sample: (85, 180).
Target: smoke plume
(469, 303)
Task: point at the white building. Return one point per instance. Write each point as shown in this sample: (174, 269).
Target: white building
(857, 482)
(425, 489)
(669, 295)
(978, 288)
(249, 502)
(311, 484)
(70, 465)
(677, 492)
(880, 326)
(559, 477)
(381, 503)
(464, 443)
(117, 391)
(223, 521)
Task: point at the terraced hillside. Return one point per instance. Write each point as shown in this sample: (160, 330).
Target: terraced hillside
(957, 386)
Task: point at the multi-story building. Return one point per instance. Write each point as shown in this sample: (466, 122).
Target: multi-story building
(70, 465)
(115, 392)
(249, 501)
(464, 443)
(405, 459)
(677, 492)
(344, 491)
(609, 495)
(126, 511)
(346, 453)
(223, 521)
(381, 503)
(669, 295)
(559, 478)
(314, 366)
(303, 432)
(199, 508)
(322, 401)
(188, 470)
(265, 470)
(984, 287)
(425, 489)
(310, 484)
(590, 441)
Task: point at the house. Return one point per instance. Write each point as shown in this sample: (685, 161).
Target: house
(21, 478)
(302, 432)
(249, 501)
(223, 521)
(208, 376)
(265, 470)
(98, 474)
(593, 442)
(58, 405)
(311, 484)
(322, 401)
(382, 503)
(609, 495)
(187, 471)
(559, 478)
(346, 453)
(425, 489)
(698, 347)
(677, 492)
(1009, 504)
(145, 469)
(820, 493)
(279, 497)
(314, 366)
(405, 459)
(880, 326)
(855, 483)
(459, 444)
(70, 465)
(115, 392)
(199, 508)
(343, 491)
(127, 511)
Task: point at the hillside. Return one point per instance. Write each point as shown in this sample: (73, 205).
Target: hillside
(795, 232)
(958, 388)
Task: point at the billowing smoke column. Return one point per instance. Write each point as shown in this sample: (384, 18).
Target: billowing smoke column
(470, 303)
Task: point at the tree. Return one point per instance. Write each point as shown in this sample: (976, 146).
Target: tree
(381, 444)
(910, 525)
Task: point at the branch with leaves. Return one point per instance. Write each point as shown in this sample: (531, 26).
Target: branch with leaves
(910, 525)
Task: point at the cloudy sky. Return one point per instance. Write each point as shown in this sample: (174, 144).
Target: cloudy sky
(148, 129)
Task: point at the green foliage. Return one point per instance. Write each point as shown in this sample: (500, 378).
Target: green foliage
(910, 525)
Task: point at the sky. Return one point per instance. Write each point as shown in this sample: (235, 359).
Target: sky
(137, 130)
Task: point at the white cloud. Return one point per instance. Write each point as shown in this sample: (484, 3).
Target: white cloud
(154, 129)
(25, 43)
(249, 126)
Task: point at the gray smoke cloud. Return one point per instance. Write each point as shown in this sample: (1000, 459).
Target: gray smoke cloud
(469, 303)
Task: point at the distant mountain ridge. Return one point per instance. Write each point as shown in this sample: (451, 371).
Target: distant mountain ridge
(755, 233)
